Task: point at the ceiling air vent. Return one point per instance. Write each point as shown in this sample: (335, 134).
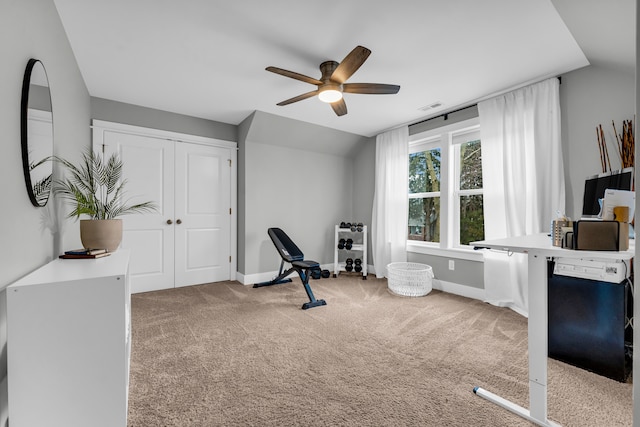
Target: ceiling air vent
(432, 106)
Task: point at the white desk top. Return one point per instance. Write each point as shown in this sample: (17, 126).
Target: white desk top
(541, 244)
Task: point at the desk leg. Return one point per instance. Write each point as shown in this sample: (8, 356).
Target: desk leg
(538, 345)
(538, 331)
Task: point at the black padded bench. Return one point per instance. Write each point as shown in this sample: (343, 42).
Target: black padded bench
(291, 254)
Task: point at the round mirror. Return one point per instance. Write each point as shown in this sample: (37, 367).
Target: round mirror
(36, 126)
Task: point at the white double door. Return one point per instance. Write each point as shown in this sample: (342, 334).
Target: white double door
(188, 240)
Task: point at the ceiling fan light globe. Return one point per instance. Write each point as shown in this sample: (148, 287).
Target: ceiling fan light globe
(330, 95)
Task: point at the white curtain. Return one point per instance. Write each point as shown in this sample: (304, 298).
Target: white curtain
(523, 181)
(390, 199)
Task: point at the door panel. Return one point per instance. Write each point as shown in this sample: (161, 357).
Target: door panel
(148, 169)
(201, 248)
(150, 260)
(203, 206)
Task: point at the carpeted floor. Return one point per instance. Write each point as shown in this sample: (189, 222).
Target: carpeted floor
(225, 354)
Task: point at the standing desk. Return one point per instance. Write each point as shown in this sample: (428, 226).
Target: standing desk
(538, 247)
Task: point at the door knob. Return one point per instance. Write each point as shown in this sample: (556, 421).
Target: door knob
(169, 222)
(179, 221)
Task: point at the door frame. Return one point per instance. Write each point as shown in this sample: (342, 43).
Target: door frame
(100, 126)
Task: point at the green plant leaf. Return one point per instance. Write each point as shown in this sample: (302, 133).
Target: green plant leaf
(96, 189)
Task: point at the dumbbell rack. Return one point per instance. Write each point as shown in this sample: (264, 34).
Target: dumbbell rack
(358, 250)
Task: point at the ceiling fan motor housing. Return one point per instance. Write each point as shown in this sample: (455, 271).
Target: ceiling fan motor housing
(327, 68)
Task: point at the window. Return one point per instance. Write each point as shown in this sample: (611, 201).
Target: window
(445, 186)
(468, 189)
(424, 193)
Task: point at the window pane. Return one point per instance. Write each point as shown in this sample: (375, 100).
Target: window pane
(424, 219)
(471, 219)
(424, 171)
(470, 165)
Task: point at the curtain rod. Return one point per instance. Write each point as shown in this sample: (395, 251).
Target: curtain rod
(446, 115)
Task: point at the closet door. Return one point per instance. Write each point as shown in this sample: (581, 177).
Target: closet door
(191, 238)
(203, 214)
(149, 171)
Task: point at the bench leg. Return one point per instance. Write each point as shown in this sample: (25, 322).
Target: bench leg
(313, 302)
(277, 280)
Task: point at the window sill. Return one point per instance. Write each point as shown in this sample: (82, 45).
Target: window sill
(459, 253)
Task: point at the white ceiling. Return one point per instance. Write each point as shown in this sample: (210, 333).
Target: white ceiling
(207, 58)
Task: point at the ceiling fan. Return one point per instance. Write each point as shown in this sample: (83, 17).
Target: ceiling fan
(331, 84)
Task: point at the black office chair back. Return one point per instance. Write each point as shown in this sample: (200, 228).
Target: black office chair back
(286, 248)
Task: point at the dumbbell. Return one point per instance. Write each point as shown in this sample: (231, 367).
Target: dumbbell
(354, 227)
(325, 274)
(348, 244)
(341, 244)
(349, 264)
(359, 227)
(358, 265)
(343, 224)
(316, 274)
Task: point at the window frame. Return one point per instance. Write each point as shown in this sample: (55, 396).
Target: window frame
(448, 139)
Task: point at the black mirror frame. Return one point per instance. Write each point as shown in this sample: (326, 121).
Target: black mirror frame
(24, 107)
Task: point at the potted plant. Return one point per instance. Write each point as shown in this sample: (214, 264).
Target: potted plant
(95, 188)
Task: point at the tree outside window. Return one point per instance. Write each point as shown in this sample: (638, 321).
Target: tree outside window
(424, 190)
(470, 191)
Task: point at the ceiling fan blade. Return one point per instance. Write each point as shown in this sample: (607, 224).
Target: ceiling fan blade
(350, 64)
(339, 107)
(370, 88)
(298, 98)
(294, 75)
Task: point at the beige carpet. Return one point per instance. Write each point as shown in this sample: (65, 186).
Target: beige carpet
(225, 354)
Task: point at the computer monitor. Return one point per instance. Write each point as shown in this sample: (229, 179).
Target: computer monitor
(594, 188)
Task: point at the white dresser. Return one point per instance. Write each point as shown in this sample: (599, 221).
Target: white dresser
(69, 344)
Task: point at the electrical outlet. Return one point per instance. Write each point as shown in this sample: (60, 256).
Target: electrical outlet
(452, 264)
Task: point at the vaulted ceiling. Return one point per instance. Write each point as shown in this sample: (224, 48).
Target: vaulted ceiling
(207, 58)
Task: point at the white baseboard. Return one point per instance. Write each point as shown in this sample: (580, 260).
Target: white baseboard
(250, 279)
(456, 289)
(240, 278)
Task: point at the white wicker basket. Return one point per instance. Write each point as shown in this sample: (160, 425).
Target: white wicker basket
(409, 278)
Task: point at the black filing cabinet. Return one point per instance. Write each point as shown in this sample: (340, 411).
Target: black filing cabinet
(588, 325)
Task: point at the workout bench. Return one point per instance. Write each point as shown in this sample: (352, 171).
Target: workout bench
(293, 255)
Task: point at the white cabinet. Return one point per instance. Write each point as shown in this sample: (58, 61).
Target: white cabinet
(69, 343)
(350, 250)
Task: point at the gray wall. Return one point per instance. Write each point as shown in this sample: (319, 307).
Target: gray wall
(464, 113)
(32, 29)
(301, 192)
(589, 97)
(119, 112)
(467, 273)
(299, 177)
(364, 159)
(243, 131)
